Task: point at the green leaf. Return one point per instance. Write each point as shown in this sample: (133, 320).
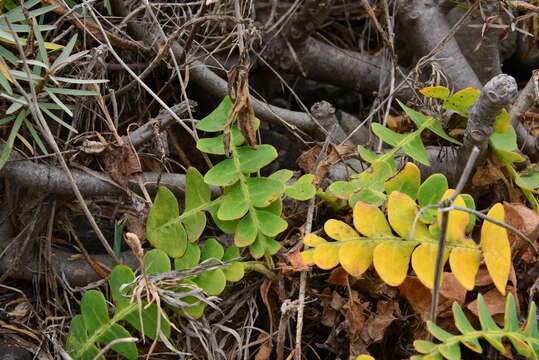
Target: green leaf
(246, 231)
(126, 349)
(430, 193)
(387, 135)
(94, 310)
(66, 51)
(487, 323)
(75, 92)
(77, 337)
(264, 245)
(222, 174)
(504, 141)
(423, 346)
(282, 175)
(235, 270)
(234, 205)
(263, 191)
(11, 139)
(450, 351)
(216, 120)
(253, 160)
(172, 237)
(415, 148)
(213, 282)
(197, 193)
(215, 145)
(438, 332)
(270, 224)
(367, 155)
(342, 189)
(120, 275)
(228, 227)
(303, 189)
(368, 196)
(212, 251)
(190, 259)
(156, 261)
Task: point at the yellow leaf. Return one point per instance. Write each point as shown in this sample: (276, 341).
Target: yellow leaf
(496, 249)
(502, 122)
(464, 261)
(437, 92)
(406, 181)
(391, 260)
(308, 256)
(313, 240)
(4, 69)
(48, 45)
(364, 357)
(339, 230)
(457, 220)
(424, 262)
(401, 212)
(326, 256)
(370, 221)
(356, 256)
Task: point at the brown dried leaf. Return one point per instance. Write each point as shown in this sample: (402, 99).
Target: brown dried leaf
(296, 260)
(524, 219)
(452, 289)
(487, 175)
(264, 352)
(338, 276)
(377, 324)
(121, 162)
(483, 277)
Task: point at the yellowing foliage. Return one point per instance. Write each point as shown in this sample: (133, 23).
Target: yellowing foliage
(371, 242)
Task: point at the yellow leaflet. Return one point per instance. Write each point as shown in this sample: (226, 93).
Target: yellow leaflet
(356, 256)
(339, 230)
(401, 212)
(370, 221)
(326, 256)
(308, 256)
(4, 69)
(391, 260)
(406, 181)
(464, 262)
(364, 357)
(457, 221)
(313, 240)
(437, 92)
(496, 249)
(424, 262)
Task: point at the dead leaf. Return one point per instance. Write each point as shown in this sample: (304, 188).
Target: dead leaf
(452, 289)
(264, 352)
(380, 321)
(338, 276)
(524, 219)
(121, 162)
(417, 295)
(92, 147)
(483, 277)
(308, 160)
(296, 260)
(487, 175)
(20, 310)
(238, 88)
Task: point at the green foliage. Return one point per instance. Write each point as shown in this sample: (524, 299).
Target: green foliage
(250, 206)
(503, 142)
(50, 88)
(391, 254)
(525, 342)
